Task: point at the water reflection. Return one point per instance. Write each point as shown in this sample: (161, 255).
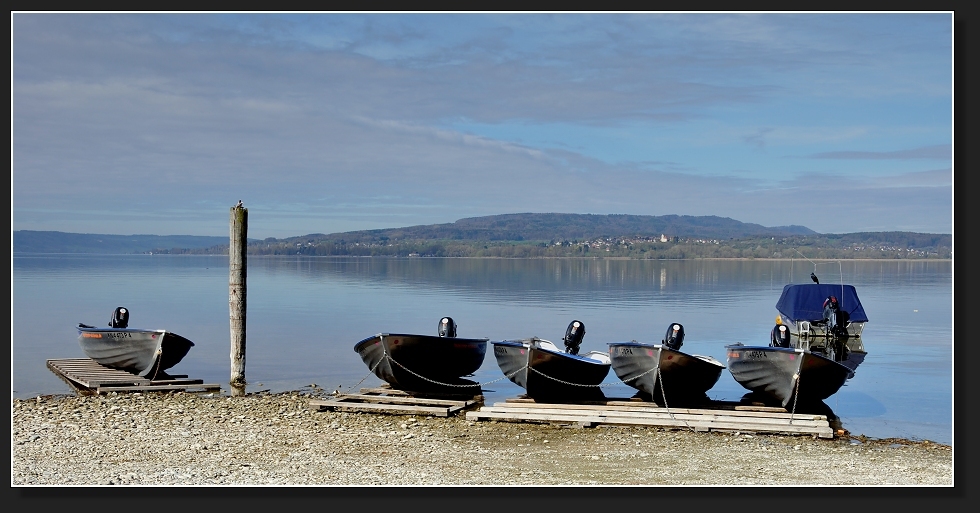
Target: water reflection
(305, 314)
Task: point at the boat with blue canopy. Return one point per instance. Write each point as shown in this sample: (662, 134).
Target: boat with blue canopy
(803, 308)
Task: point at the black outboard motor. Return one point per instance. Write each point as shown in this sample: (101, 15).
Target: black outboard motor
(780, 336)
(447, 327)
(674, 338)
(835, 318)
(573, 337)
(120, 318)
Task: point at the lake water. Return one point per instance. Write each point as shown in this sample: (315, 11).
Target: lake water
(305, 314)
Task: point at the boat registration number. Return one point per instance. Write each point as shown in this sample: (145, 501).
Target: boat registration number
(748, 354)
(119, 335)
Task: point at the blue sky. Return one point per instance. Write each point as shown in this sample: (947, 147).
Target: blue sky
(331, 122)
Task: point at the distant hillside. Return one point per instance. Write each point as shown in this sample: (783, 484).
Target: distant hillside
(546, 227)
(627, 236)
(28, 241)
(532, 235)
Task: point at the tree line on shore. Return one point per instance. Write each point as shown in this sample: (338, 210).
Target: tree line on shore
(899, 245)
(534, 235)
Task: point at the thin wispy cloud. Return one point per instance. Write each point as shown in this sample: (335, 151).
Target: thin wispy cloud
(935, 152)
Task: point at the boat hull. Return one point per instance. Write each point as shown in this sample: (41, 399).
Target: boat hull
(645, 367)
(423, 362)
(550, 375)
(784, 373)
(146, 353)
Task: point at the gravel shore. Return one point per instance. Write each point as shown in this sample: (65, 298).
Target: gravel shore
(195, 439)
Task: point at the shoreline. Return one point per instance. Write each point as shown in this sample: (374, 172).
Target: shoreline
(197, 439)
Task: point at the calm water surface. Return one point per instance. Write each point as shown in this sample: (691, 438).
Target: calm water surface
(305, 314)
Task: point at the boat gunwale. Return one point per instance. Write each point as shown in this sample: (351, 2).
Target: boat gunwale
(558, 352)
(381, 336)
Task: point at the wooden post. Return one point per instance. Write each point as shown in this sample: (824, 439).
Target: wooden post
(236, 295)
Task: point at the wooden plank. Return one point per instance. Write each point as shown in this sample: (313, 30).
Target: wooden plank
(383, 390)
(659, 410)
(632, 401)
(438, 411)
(153, 388)
(702, 416)
(698, 425)
(177, 382)
(401, 400)
(386, 390)
(482, 414)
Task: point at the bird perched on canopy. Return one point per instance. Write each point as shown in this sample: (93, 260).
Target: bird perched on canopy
(814, 278)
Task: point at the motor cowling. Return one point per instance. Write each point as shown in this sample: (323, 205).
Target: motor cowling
(674, 338)
(573, 337)
(447, 327)
(780, 336)
(120, 318)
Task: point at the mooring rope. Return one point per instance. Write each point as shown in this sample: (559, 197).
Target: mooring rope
(159, 355)
(796, 387)
(386, 356)
(370, 372)
(410, 371)
(570, 383)
(660, 378)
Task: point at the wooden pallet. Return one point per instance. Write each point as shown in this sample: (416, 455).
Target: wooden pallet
(85, 374)
(388, 400)
(746, 419)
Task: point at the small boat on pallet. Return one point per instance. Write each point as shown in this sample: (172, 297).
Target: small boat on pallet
(790, 371)
(549, 374)
(662, 371)
(424, 362)
(146, 353)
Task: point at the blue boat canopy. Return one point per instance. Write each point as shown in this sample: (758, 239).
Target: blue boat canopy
(804, 302)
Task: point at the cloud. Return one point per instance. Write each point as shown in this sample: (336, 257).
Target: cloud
(936, 152)
(333, 122)
(758, 138)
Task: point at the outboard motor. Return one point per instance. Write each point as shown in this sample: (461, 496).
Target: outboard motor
(830, 306)
(835, 318)
(573, 337)
(120, 318)
(447, 327)
(674, 338)
(780, 336)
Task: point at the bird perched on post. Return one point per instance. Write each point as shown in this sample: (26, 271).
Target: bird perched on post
(814, 278)
(239, 205)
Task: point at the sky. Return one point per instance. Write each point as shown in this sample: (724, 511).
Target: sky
(136, 123)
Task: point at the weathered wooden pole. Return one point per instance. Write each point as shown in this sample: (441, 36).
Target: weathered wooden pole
(236, 295)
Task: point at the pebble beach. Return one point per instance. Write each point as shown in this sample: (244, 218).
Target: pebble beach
(263, 439)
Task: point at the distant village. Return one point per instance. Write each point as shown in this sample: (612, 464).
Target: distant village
(645, 247)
